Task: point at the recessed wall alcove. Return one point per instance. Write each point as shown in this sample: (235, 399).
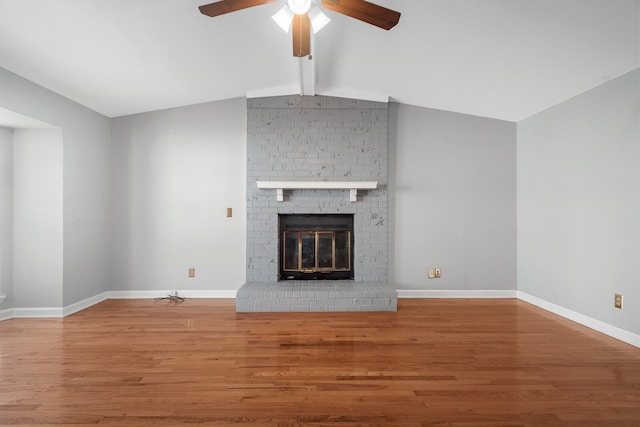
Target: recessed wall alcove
(317, 139)
(31, 211)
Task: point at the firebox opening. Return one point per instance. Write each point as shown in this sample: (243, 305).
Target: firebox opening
(315, 247)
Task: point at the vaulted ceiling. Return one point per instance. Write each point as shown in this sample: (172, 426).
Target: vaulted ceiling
(505, 59)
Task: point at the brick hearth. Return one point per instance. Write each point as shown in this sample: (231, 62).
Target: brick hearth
(323, 295)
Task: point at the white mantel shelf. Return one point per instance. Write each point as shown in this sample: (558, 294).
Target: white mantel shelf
(352, 186)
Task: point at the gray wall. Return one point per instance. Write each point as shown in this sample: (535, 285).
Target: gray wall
(579, 203)
(294, 138)
(453, 200)
(174, 174)
(86, 137)
(6, 214)
(37, 218)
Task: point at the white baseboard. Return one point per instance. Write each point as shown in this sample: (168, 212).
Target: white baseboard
(52, 312)
(230, 293)
(86, 303)
(136, 294)
(38, 312)
(159, 294)
(434, 293)
(6, 314)
(597, 325)
(59, 312)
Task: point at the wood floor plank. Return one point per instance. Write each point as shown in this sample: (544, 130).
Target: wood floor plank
(435, 362)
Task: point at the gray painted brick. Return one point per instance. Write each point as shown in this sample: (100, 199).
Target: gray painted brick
(290, 296)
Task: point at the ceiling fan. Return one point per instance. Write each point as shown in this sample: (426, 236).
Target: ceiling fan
(303, 15)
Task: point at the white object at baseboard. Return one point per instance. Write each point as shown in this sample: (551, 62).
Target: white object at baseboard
(352, 186)
(2, 298)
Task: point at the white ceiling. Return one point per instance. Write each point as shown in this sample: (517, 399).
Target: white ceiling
(505, 59)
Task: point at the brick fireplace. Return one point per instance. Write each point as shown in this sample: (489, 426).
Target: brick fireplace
(317, 139)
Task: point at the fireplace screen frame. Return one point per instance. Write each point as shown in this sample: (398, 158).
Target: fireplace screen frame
(300, 255)
(318, 258)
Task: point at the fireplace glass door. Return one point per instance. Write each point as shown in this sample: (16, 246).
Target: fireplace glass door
(316, 246)
(316, 251)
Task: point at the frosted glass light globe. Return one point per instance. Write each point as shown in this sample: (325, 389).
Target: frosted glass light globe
(299, 6)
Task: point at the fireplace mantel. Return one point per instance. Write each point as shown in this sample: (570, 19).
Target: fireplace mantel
(352, 186)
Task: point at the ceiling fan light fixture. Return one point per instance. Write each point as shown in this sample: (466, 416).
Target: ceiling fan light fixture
(318, 19)
(299, 7)
(283, 18)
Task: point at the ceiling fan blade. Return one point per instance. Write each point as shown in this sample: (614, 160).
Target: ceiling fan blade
(301, 35)
(226, 6)
(364, 11)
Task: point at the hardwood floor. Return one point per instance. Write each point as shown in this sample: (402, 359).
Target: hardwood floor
(435, 362)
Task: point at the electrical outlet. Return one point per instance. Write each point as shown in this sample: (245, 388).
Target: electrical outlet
(431, 273)
(437, 273)
(618, 301)
(192, 272)
(229, 212)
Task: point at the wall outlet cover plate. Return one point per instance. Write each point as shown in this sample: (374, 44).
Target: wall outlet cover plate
(618, 301)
